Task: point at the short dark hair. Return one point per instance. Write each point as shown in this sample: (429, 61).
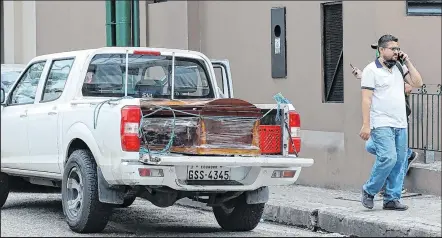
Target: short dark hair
(383, 41)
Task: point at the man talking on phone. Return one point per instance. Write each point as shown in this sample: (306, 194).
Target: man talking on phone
(385, 121)
(369, 146)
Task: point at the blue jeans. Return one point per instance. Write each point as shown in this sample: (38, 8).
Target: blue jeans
(390, 147)
(369, 146)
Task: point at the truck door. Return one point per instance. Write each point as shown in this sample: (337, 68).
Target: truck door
(14, 118)
(223, 77)
(44, 118)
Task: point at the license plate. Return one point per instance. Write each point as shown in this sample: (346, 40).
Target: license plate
(208, 172)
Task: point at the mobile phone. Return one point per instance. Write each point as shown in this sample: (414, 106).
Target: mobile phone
(401, 58)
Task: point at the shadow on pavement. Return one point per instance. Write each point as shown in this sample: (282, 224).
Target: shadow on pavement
(20, 185)
(50, 205)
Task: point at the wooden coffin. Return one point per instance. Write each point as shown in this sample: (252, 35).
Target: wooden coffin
(202, 127)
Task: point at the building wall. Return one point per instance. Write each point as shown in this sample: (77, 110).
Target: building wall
(168, 25)
(240, 31)
(244, 39)
(364, 23)
(19, 30)
(75, 25)
(40, 27)
(2, 57)
(72, 26)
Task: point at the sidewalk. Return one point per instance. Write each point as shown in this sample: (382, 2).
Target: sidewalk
(341, 212)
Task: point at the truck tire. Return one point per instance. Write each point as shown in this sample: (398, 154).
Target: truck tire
(83, 211)
(4, 188)
(243, 217)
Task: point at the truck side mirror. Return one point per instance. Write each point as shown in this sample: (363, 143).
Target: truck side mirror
(3, 96)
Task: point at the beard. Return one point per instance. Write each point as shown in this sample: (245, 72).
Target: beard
(390, 62)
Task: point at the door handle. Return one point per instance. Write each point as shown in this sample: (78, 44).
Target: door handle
(52, 113)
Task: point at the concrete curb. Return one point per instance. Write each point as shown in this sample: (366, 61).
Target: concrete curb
(344, 222)
(335, 220)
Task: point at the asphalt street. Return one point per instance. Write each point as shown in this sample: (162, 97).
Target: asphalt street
(32, 213)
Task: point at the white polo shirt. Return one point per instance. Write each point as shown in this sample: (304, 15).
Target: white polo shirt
(388, 102)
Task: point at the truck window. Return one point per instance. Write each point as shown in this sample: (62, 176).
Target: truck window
(219, 77)
(148, 77)
(56, 80)
(26, 89)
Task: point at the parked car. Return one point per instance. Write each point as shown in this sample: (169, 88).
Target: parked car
(9, 74)
(108, 130)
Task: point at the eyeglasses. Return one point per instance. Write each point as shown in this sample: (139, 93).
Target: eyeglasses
(394, 48)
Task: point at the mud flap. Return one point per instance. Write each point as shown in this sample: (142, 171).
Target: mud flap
(260, 195)
(108, 194)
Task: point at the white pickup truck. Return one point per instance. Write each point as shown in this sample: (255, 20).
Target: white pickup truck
(69, 122)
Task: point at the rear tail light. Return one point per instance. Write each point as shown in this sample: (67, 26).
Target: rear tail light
(295, 127)
(130, 123)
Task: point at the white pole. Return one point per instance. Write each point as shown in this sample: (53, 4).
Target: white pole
(127, 72)
(173, 77)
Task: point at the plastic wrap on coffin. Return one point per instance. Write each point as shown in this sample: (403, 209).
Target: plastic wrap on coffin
(217, 127)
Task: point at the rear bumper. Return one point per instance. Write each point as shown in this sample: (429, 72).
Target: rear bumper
(268, 161)
(250, 172)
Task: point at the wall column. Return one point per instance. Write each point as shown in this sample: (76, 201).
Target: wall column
(193, 26)
(19, 31)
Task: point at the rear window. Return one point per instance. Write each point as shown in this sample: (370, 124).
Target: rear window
(148, 77)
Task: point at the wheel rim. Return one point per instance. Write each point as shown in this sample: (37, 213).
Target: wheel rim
(74, 194)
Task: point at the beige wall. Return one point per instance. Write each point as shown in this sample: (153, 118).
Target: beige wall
(240, 31)
(40, 27)
(168, 24)
(72, 26)
(19, 35)
(420, 37)
(364, 22)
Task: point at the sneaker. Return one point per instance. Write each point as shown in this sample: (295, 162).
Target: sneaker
(412, 159)
(394, 205)
(367, 200)
(404, 191)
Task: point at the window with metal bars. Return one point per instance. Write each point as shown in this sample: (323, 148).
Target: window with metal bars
(424, 8)
(332, 52)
